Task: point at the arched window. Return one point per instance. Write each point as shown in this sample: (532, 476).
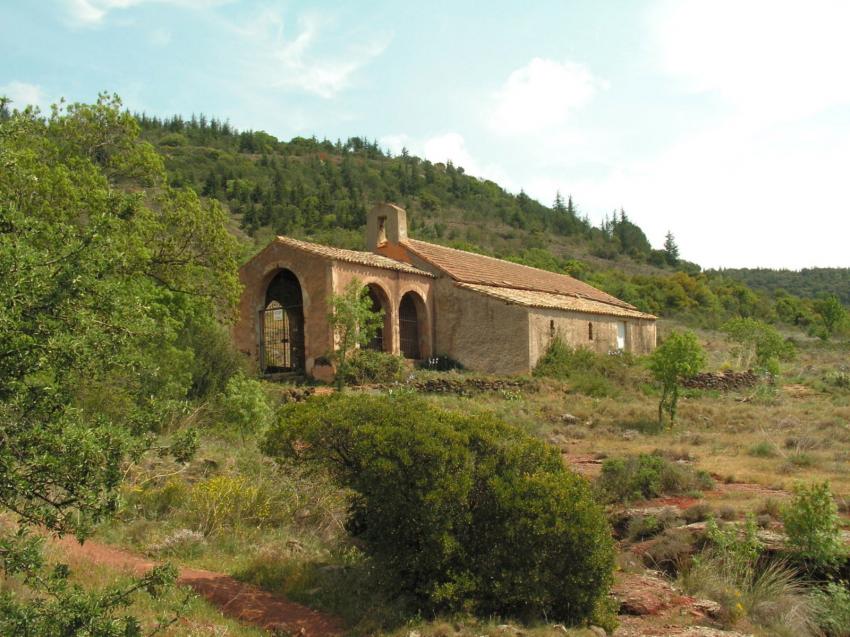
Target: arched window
(590, 331)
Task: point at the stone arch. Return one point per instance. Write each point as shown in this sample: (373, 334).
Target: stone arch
(382, 341)
(281, 323)
(413, 326)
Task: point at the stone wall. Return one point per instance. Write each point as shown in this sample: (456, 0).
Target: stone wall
(482, 333)
(573, 328)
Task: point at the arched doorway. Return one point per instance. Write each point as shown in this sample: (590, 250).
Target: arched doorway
(411, 318)
(380, 303)
(282, 325)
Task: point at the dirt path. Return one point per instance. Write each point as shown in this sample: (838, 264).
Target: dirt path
(233, 598)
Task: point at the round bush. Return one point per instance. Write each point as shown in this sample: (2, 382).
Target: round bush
(461, 511)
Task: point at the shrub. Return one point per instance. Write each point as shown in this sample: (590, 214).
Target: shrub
(463, 512)
(831, 609)
(366, 366)
(812, 525)
(733, 572)
(758, 343)
(763, 449)
(648, 476)
(244, 405)
(227, 501)
(588, 372)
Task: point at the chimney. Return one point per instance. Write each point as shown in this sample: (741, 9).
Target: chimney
(386, 223)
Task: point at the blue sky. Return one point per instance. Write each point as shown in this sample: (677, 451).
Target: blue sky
(726, 122)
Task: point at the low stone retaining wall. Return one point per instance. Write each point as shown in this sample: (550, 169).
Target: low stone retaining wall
(723, 381)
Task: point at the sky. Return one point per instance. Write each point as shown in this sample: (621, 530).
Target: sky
(726, 122)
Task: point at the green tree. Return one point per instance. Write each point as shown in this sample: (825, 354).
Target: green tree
(680, 356)
(758, 343)
(353, 322)
(832, 313)
(671, 249)
(102, 265)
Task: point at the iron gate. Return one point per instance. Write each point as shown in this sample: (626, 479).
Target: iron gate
(281, 343)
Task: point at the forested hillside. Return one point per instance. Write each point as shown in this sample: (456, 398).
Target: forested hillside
(321, 190)
(807, 283)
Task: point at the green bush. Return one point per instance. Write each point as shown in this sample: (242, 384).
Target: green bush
(813, 527)
(648, 476)
(461, 512)
(759, 344)
(589, 373)
(831, 609)
(244, 405)
(366, 366)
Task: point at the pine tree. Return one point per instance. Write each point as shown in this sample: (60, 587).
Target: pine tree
(671, 250)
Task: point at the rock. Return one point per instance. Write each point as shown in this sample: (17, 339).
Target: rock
(643, 594)
(630, 434)
(414, 633)
(708, 607)
(569, 419)
(560, 627)
(598, 631)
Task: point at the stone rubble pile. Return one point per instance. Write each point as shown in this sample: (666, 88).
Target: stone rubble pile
(723, 381)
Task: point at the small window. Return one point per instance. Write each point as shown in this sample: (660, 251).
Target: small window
(552, 329)
(590, 331)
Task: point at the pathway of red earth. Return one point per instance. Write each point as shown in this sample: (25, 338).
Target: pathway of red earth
(243, 602)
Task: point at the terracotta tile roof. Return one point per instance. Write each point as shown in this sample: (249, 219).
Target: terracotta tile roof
(352, 256)
(467, 267)
(547, 300)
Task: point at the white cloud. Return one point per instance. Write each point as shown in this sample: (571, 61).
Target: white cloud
(770, 59)
(542, 95)
(23, 94)
(299, 62)
(93, 12)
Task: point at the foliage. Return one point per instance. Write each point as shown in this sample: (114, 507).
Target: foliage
(832, 314)
(367, 366)
(459, 511)
(56, 606)
(588, 372)
(759, 343)
(813, 527)
(809, 283)
(647, 476)
(732, 571)
(831, 609)
(680, 356)
(353, 322)
(227, 501)
(245, 406)
(101, 266)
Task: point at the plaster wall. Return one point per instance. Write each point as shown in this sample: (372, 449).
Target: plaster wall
(481, 333)
(572, 327)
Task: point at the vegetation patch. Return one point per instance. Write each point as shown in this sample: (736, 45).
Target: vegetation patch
(461, 512)
(648, 476)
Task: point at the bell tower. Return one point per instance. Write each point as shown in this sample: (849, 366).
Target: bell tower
(386, 223)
